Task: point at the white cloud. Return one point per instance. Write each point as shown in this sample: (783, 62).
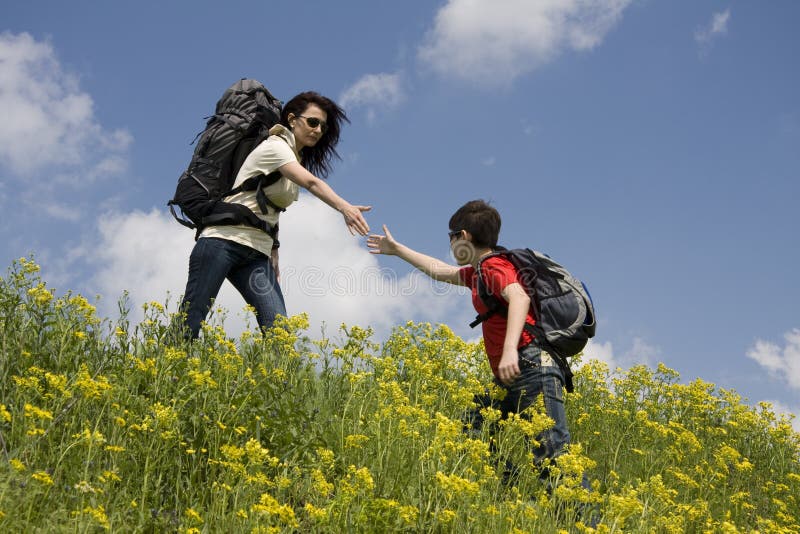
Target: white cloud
(716, 27)
(782, 363)
(640, 352)
(324, 272)
(373, 92)
(494, 42)
(48, 121)
(601, 351)
(58, 211)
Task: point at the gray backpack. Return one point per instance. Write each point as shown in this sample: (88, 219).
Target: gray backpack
(242, 119)
(560, 304)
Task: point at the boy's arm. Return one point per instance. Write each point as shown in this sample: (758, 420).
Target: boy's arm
(518, 305)
(436, 269)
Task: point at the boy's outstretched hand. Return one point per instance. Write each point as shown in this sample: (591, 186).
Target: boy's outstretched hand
(382, 244)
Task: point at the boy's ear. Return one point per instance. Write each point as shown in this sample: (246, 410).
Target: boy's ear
(468, 236)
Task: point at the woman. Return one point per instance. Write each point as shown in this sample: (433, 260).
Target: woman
(300, 147)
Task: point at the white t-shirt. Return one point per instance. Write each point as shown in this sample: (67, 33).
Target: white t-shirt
(274, 152)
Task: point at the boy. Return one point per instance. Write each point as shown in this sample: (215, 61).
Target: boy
(518, 364)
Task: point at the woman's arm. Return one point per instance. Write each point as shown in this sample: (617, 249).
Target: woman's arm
(352, 214)
(436, 269)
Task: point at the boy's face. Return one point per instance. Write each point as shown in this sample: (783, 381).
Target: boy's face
(461, 247)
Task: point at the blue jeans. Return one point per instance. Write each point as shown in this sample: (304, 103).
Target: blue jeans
(251, 273)
(539, 375)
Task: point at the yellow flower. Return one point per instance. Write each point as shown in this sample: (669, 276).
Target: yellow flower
(90, 437)
(57, 382)
(232, 452)
(91, 388)
(455, 485)
(202, 379)
(317, 514)
(326, 456)
(157, 306)
(258, 454)
(17, 465)
(165, 416)
(267, 505)
(355, 441)
(98, 514)
(319, 484)
(5, 415)
(193, 516)
(37, 413)
(111, 476)
(40, 295)
(28, 266)
(445, 516)
(43, 477)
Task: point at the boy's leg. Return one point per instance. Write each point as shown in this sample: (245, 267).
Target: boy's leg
(540, 375)
(473, 418)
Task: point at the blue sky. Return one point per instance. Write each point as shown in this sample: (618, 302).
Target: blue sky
(651, 147)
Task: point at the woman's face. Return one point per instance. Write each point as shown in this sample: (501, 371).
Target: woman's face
(309, 126)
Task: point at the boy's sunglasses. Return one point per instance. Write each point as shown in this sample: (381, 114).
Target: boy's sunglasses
(313, 122)
(456, 233)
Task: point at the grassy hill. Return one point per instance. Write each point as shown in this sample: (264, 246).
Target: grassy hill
(112, 426)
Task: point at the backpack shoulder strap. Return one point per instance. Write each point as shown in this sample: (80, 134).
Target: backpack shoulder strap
(258, 183)
(493, 303)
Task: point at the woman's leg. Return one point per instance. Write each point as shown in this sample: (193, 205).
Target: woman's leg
(209, 264)
(255, 280)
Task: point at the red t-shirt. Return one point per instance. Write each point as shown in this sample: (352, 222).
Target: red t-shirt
(497, 273)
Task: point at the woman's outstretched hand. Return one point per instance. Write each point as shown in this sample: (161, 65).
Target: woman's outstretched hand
(356, 222)
(382, 244)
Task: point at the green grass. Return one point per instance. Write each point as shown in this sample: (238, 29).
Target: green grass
(108, 425)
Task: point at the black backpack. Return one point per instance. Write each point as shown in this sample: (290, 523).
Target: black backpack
(560, 304)
(242, 119)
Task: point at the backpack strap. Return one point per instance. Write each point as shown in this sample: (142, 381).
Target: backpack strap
(233, 214)
(494, 305)
(257, 183)
(182, 220)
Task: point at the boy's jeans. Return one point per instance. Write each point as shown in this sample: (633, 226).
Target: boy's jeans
(539, 374)
(251, 273)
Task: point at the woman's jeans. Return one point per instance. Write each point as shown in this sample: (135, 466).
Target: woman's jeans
(539, 375)
(251, 273)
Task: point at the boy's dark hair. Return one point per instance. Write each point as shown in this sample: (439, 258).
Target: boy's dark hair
(317, 158)
(481, 220)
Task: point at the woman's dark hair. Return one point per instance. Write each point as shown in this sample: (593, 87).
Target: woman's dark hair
(317, 158)
(481, 220)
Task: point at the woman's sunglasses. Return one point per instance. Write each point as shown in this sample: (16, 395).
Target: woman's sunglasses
(313, 122)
